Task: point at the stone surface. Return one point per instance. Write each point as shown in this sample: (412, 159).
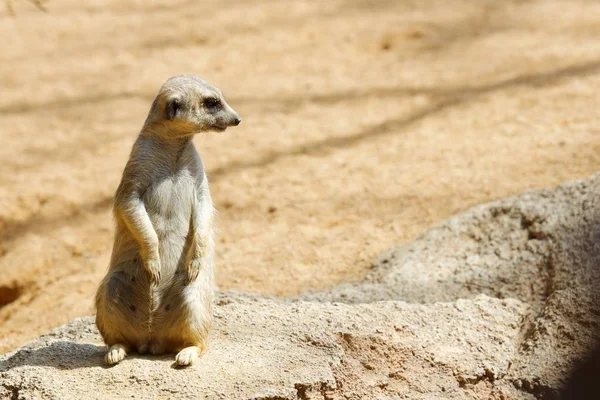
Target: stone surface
(496, 303)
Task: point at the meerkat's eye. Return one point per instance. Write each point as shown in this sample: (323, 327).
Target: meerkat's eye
(212, 103)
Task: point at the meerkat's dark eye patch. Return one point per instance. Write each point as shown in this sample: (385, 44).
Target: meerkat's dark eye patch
(173, 106)
(212, 103)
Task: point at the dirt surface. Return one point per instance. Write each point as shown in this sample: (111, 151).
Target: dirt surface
(498, 303)
(364, 122)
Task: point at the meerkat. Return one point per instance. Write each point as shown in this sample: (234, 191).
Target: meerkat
(157, 295)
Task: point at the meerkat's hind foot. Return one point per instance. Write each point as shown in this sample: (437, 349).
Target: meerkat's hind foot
(157, 348)
(115, 354)
(142, 348)
(187, 356)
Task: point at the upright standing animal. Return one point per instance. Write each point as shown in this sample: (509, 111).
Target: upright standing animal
(158, 293)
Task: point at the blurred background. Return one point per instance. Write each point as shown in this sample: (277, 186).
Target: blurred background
(364, 123)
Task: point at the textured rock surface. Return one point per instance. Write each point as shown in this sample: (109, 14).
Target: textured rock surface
(496, 303)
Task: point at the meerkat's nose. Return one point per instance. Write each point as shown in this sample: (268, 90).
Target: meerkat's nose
(237, 120)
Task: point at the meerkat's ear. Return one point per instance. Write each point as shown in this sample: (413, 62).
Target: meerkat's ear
(173, 107)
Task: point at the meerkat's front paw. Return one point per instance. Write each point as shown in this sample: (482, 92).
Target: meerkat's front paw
(187, 356)
(153, 268)
(193, 269)
(116, 353)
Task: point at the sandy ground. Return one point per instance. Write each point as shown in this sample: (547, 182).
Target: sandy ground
(364, 123)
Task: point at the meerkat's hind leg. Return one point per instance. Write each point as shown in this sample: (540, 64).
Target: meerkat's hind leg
(187, 356)
(116, 353)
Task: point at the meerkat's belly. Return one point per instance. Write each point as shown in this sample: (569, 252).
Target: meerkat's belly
(169, 206)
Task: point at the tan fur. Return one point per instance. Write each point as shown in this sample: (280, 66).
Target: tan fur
(158, 293)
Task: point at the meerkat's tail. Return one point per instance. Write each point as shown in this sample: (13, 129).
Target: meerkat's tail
(153, 304)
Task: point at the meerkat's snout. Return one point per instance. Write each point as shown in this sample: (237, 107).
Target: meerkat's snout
(234, 118)
(217, 113)
(225, 118)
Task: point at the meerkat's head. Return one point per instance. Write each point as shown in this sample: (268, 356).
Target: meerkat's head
(186, 105)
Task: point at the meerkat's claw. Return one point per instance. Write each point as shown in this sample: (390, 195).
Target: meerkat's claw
(193, 269)
(155, 277)
(187, 356)
(153, 267)
(115, 354)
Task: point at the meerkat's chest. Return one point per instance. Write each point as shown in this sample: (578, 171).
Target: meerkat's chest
(169, 202)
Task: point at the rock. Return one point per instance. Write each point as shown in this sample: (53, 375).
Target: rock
(269, 349)
(496, 303)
